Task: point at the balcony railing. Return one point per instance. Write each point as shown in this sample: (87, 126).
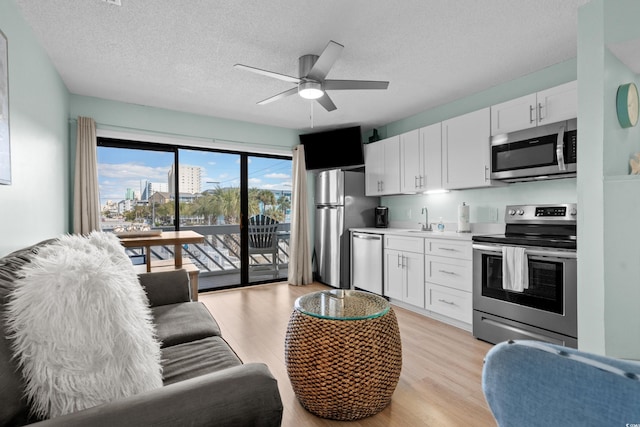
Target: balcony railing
(220, 252)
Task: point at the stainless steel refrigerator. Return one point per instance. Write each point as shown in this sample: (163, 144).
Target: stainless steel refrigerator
(340, 205)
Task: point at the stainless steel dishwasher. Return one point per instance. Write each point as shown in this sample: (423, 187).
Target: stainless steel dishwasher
(366, 261)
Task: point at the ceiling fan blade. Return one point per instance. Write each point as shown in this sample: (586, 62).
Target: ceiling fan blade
(278, 76)
(326, 102)
(326, 60)
(354, 84)
(281, 95)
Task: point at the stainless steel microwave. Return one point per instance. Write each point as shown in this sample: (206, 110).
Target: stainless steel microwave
(543, 152)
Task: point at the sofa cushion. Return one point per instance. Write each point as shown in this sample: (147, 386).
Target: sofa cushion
(183, 322)
(195, 358)
(96, 342)
(14, 408)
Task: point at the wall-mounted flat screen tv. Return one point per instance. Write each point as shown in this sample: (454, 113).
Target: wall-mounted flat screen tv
(332, 149)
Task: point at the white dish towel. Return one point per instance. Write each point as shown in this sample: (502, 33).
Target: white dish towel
(515, 269)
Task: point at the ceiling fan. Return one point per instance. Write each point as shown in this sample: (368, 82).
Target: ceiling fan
(312, 83)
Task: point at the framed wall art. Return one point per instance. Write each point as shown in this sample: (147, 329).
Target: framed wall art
(5, 141)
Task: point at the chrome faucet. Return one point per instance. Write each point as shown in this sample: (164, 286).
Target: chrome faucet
(425, 226)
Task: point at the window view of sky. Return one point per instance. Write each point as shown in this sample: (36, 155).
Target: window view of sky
(119, 170)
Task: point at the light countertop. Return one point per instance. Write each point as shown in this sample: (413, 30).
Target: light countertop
(417, 233)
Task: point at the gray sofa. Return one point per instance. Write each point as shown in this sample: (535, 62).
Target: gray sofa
(205, 383)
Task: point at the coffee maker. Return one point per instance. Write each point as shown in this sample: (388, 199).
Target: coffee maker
(382, 217)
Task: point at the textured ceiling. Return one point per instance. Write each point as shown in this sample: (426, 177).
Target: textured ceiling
(179, 54)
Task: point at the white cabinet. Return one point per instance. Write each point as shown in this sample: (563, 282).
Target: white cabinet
(410, 161)
(382, 167)
(466, 151)
(421, 159)
(404, 269)
(548, 106)
(448, 278)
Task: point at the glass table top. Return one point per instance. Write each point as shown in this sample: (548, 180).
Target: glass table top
(342, 304)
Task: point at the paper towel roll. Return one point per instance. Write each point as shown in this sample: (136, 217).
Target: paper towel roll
(463, 218)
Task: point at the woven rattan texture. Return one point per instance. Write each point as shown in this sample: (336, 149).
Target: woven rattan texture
(343, 369)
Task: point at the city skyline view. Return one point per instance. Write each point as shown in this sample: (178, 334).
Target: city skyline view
(121, 169)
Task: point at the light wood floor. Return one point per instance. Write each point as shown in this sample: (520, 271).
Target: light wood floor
(440, 383)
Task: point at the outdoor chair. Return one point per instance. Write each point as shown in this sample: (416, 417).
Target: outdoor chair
(263, 245)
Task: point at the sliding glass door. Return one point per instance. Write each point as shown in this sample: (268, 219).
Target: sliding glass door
(269, 199)
(240, 202)
(215, 212)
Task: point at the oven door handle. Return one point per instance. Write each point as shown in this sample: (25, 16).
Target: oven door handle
(529, 252)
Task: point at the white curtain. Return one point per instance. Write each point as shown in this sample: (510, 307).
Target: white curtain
(86, 200)
(300, 251)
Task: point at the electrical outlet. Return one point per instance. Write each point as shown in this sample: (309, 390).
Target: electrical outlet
(408, 213)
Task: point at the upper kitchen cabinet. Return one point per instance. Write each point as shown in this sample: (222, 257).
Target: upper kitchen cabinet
(382, 167)
(466, 151)
(421, 159)
(548, 106)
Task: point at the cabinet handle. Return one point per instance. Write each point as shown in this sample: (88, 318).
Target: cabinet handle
(447, 272)
(540, 112)
(486, 173)
(421, 178)
(448, 249)
(531, 118)
(447, 302)
(415, 182)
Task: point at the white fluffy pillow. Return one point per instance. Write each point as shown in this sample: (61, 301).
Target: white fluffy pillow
(81, 326)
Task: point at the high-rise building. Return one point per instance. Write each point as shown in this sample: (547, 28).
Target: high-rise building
(188, 179)
(131, 194)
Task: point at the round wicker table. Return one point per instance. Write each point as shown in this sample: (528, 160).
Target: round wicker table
(343, 353)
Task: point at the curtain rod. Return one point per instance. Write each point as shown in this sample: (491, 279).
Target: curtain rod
(148, 132)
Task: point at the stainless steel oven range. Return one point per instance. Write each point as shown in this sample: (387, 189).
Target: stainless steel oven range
(544, 307)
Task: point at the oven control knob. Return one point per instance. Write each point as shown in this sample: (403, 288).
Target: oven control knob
(520, 212)
(573, 212)
(512, 212)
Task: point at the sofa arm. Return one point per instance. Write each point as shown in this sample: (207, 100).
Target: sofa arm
(537, 384)
(245, 395)
(166, 287)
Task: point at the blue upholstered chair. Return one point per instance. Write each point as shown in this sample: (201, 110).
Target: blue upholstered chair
(530, 383)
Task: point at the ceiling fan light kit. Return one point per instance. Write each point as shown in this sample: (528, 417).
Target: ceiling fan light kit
(310, 90)
(312, 84)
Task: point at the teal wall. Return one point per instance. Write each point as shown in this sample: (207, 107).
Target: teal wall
(590, 171)
(36, 204)
(135, 118)
(621, 251)
(608, 253)
(486, 205)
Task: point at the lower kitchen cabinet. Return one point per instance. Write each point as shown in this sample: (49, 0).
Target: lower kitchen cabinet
(448, 278)
(430, 275)
(450, 302)
(404, 269)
